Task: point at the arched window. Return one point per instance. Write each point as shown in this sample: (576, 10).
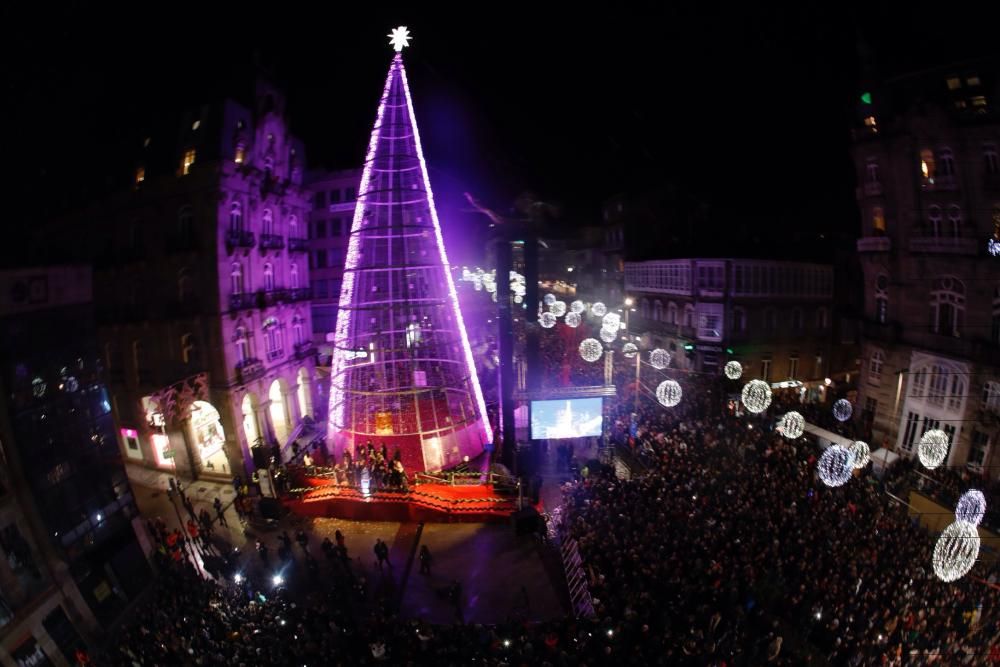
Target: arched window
(875, 367)
(688, 315)
(242, 344)
(991, 396)
(236, 217)
(298, 337)
(293, 227)
(871, 172)
(797, 319)
(268, 167)
(236, 278)
(954, 221)
(185, 222)
(822, 318)
(878, 221)
(268, 277)
(671, 313)
(293, 276)
(658, 310)
(946, 163)
(927, 166)
(185, 286)
(934, 220)
(882, 298)
(267, 222)
(948, 306)
(644, 308)
(272, 338)
(189, 349)
(739, 320)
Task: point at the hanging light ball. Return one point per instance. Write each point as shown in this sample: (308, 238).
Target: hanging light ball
(933, 448)
(577, 307)
(862, 454)
(842, 410)
(630, 350)
(956, 551)
(792, 425)
(608, 335)
(659, 358)
(733, 370)
(756, 396)
(558, 308)
(668, 393)
(835, 466)
(611, 321)
(572, 320)
(547, 320)
(971, 507)
(599, 309)
(591, 349)
(518, 298)
(549, 299)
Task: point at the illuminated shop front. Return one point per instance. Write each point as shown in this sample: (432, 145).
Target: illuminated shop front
(209, 437)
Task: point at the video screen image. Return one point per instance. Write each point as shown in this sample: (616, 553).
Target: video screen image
(566, 418)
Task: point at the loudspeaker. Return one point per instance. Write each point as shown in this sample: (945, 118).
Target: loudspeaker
(271, 508)
(525, 521)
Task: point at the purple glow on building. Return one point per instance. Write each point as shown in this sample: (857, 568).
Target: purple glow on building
(417, 387)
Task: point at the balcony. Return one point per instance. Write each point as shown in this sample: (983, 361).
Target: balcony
(298, 245)
(299, 294)
(271, 242)
(874, 244)
(237, 238)
(304, 350)
(274, 355)
(249, 370)
(242, 301)
(942, 245)
(873, 189)
(268, 298)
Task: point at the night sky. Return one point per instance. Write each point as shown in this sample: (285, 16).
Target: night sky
(747, 110)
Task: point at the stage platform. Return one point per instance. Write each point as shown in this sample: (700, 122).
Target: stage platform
(439, 503)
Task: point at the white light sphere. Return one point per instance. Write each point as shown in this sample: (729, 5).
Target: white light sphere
(933, 448)
(549, 299)
(668, 393)
(956, 551)
(558, 308)
(611, 321)
(842, 410)
(577, 307)
(630, 350)
(608, 335)
(518, 298)
(862, 454)
(733, 370)
(971, 507)
(659, 358)
(547, 320)
(756, 396)
(591, 349)
(572, 320)
(835, 466)
(792, 425)
(599, 309)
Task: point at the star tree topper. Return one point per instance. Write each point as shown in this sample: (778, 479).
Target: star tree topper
(399, 38)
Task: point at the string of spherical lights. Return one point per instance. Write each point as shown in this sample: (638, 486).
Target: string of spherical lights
(842, 410)
(668, 393)
(933, 448)
(756, 396)
(835, 466)
(861, 452)
(956, 551)
(549, 299)
(733, 370)
(547, 320)
(591, 349)
(558, 308)
(599, 309)
(611, 321)
(572, 320)
(971, 507)
(659, 359)
(577, 307)
(630, 350)
(608, 335)
(792, 425)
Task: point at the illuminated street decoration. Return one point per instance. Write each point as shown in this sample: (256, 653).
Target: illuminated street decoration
(572, 320)
(608, 335)
(630, 350)
(971, 507)
(668, 393)
(734, 370)
(756, 396)
(547, 320)
(399, 38)
(956, 551)
(591, 349)
(431, 391)
(577, 307)
(933, 448)
(842, 410)
(558, 308)
(659, 358)
(549, 299)
(861, 452)
(835, 466)
(611, 321)
(792, 425)
(599, 309)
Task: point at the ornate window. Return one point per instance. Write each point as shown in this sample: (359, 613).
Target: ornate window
(878, 221)
(948, 306)
(268, 277)
(297, 335)
(236, 217)
(236, 278)
(934, 220)
(875, 367)
(671, 313)
(293, 227)
(272, 338)
(658, 310)
(954, 221)
(242, 344)
(991, 396)
(267, 222)
(822, 318)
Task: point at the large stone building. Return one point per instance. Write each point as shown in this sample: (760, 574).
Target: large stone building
(202, 284)
(775, 317)
(69, 529)
(927, 154)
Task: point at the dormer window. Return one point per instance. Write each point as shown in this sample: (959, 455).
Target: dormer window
(188, 161)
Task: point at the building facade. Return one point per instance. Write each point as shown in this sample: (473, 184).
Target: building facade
(73, 558)
(774, 317)
(202, 283)
(927, 154)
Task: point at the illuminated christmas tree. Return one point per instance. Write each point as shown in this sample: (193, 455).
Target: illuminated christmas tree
(403, 372)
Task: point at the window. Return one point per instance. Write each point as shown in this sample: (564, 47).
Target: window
(644, 308)
(319, 289)
(822, 318)
(793, 366)
(185, 222)
(320, 229)
(878, 221)
(140, 175)
(882, 299)
(954, 83)
(236, 278)
(948, 306)
(268, 167)
(765, 369)
(293, 276)
(934, 220)
(871, 172)
(320, 261)
(349, 194)
(236, 217)
(334, 196)
(297, 334)
(739, 320)
(268, 278)
(954, 221)
(272, 338)
(991, 396)
(875, 367)
(819, 365)
(658, 310)
(871, 405)
(979, 450)
(335, 229)
(910, 432)
(927, 165)
(972, 80)
(797, 319)
(188, 161)
(185, 286)
(688, 315)
(267, 222)
(189, 349)
(293, 227)
(946, 163)
(242, 344)
(671, 313)
(769, 319)
(319, 200)
(241, 153)
(991, 159)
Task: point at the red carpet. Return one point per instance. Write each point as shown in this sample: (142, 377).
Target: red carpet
(426, 502)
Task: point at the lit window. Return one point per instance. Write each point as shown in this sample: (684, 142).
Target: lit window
(878, 220)
(946, 162)
(978, 101)
(954, 83)
(140, 175)
(871, 123)
(927, 165)
(188, 161)
(973, 80)
(241, 153)
(195, 125)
